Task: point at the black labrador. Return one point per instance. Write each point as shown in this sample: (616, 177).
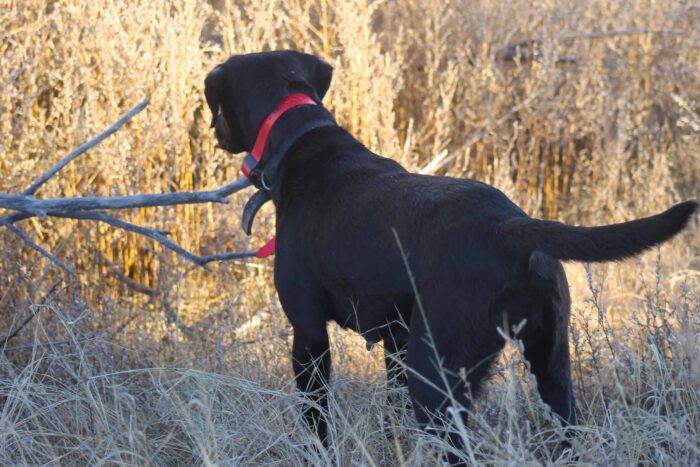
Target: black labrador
(365, 243)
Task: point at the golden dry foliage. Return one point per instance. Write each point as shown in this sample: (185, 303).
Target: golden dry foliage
(595, 118)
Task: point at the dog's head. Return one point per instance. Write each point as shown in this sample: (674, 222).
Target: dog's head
(242, 91)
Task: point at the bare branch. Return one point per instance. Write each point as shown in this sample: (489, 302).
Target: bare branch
(12, 334)
(84, 147)
(25, 238)
(128, 281)
(49, 344)
(14, 217)
(173, 318)
(25, 205)
(227, 256)
(43, 207)
(26, 321)
(157, 235)
(616, 32)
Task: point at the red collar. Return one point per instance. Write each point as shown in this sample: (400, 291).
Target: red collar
(289, 102)
(252, 159)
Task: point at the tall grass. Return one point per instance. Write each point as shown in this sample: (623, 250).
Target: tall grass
(596, 128)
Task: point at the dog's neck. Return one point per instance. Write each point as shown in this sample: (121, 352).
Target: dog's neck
(297, 115)
(278, 133)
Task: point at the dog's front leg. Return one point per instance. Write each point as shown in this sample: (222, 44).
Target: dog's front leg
(395, 347)
(305, 303)
(312, 367)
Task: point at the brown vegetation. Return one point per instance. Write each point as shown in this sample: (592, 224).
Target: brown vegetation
(146, 359)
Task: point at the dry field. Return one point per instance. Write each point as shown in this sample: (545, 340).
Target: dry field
(144, 359)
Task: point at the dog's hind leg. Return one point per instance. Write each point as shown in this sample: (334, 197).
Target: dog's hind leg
(448, 358)
(545, 336)
(548, 353)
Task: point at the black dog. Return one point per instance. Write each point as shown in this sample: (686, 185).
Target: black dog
(365, 243)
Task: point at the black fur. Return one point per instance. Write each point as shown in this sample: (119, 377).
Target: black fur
(607, 243)
(478, 260)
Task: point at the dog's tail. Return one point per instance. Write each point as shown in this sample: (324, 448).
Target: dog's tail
(604, 243)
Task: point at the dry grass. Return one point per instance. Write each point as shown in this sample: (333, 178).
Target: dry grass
(598, 129)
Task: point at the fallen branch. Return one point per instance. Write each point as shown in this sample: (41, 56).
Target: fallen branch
(44, 207)
(25, 205)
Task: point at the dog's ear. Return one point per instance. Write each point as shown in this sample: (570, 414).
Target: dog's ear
(213, 89)
(318, 73)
